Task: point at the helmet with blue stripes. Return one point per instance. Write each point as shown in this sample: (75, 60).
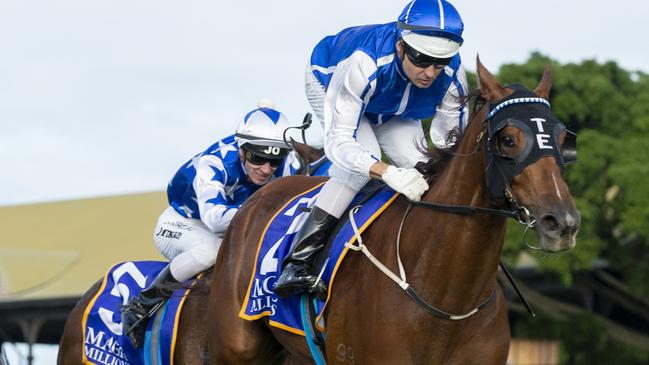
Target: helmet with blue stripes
(262, 128)
(432, 27)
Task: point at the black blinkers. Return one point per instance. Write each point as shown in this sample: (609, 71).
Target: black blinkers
(542, 131)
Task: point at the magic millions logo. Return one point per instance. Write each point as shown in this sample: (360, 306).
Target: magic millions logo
(103, 348)
(262, 298)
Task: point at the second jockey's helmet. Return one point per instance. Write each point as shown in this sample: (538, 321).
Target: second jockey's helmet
(432, 27)
(262, 131)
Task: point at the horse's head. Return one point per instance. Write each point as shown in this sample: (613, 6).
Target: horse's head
(527, 150)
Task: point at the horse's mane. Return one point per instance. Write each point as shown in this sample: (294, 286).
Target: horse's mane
(439, 158)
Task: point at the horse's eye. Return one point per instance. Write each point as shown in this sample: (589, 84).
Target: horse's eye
(507, 141)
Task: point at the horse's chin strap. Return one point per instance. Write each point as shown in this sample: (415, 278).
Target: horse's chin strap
(401, 279)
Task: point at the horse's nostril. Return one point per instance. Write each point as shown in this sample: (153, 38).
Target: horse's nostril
(550, 223)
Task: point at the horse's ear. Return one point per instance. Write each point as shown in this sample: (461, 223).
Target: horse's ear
(544, 86)
(300, 148)
(490, 88)
(307, 152)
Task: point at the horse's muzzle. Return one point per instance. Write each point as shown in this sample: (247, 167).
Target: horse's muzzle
(558, 231)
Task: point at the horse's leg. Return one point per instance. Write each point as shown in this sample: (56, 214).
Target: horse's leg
(72, 341)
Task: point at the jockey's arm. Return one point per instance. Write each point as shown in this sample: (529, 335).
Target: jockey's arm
(343, 109)
(209, 184)
(452, 113)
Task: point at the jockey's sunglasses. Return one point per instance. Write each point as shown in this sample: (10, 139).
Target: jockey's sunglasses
(260, 160)
(424, 61)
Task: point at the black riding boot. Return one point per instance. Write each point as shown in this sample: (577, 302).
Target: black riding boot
(136, 313)
(296, 275)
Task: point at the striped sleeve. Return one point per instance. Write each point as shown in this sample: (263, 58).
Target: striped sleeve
(348, 93)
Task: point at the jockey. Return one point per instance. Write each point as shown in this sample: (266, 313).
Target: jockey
(370, 86)
(203, 197)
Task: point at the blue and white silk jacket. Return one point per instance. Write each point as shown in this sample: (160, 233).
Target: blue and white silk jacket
(214, 183)
(363, 76)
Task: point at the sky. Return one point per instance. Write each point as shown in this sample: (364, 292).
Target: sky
(110, 97)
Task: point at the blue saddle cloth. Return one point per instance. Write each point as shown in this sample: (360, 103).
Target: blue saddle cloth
(275, 244)
(105, 342)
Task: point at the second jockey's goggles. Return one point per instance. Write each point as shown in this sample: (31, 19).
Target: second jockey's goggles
(424, 61)
(259, 155)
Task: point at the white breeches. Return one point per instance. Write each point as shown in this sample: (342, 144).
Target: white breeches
(187, 242)
(397, 139)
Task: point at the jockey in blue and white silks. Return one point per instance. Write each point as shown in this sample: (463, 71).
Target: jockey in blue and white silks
(370, 86)
(214, 183)
(203, 196)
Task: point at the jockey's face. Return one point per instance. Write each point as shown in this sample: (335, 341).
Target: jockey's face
(258, 174)
(422, 77)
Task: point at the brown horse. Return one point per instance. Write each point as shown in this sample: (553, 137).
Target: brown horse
(191, 345)
(450, 258)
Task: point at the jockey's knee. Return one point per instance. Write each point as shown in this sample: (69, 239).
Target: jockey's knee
(205, 255)
(189, 263)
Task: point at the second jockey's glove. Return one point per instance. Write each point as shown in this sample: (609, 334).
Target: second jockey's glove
(408, 182)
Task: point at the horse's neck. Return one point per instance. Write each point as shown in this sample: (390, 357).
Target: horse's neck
(464, 248)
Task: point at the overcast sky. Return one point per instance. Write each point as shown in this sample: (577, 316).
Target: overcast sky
(111, 97)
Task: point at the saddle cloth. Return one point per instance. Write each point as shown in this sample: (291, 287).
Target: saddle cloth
(275, 244)
(104, 340)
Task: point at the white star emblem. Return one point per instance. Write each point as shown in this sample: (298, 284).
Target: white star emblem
(193, 162)
(224, 148)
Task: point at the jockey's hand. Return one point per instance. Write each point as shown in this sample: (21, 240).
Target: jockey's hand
(408, 182)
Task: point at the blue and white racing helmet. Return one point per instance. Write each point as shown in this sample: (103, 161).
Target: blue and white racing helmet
(432, 27)
(262, 131)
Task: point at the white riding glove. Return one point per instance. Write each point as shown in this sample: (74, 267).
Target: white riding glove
(408, 182)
